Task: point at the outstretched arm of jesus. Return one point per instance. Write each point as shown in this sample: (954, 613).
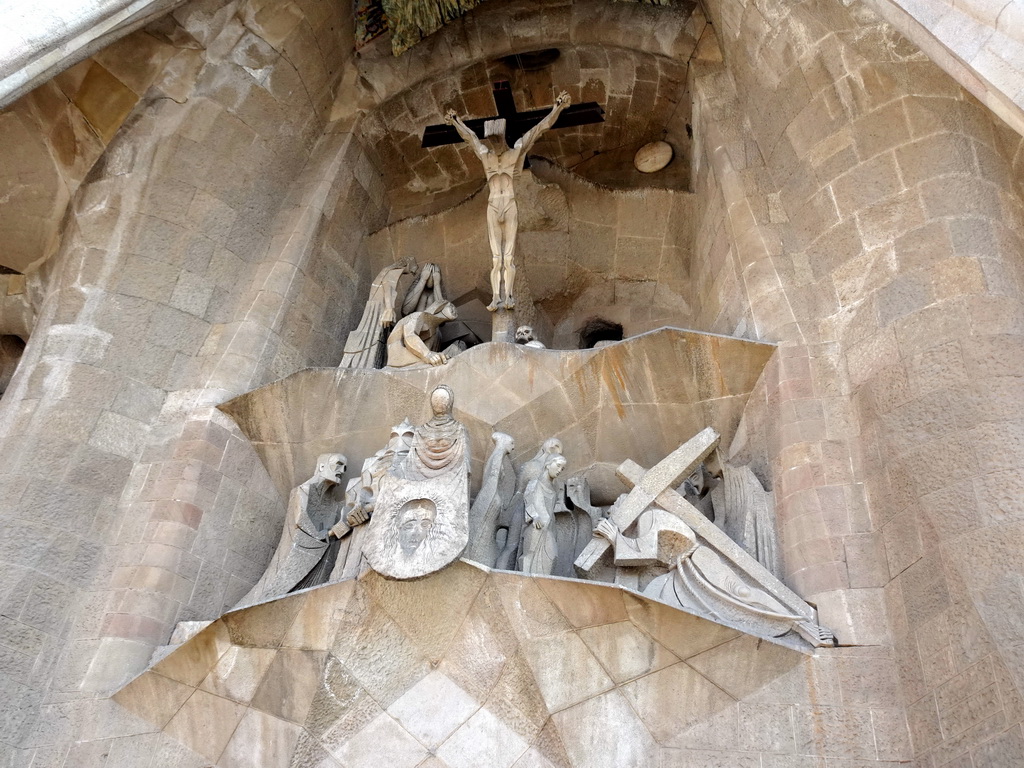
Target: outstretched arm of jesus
(530, 137)
(463, 130)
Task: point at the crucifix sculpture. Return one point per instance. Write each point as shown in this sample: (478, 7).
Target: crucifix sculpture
(511, 135)
(516, 123)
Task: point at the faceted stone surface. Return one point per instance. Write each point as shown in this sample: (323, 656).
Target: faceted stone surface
(199, 209)
(613, 694)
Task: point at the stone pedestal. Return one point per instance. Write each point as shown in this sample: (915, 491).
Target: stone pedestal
(503, 326)
(476, 668)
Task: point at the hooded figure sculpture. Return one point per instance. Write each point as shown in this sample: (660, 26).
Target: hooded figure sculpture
(421, 517)
(308, 548)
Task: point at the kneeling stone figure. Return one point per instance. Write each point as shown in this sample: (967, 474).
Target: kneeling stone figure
(699, 580)
(416, 338)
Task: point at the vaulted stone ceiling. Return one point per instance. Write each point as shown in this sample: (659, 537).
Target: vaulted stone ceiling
(632, 58)
(410, 21)
(644, 97)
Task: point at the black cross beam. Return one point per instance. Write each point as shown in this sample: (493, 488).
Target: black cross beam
(516, 123)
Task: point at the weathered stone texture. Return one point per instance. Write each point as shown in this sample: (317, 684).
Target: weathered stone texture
(644, 96)
(470, 667)
(189, 272)
(582, 251)
(223, 172)
(897, 328)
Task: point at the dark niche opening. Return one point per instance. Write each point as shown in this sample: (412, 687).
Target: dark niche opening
(597, 329)
(531, 61)
(11, 349)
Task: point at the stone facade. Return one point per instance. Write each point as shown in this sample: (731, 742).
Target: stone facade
(198, 211)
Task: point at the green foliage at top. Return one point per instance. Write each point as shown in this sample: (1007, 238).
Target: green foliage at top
(412, 20)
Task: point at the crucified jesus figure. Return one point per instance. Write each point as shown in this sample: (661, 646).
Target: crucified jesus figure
(502, 165)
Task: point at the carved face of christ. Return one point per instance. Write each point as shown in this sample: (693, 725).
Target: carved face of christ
(414, 523)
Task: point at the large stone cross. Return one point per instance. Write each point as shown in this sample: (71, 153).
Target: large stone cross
(516, 123)
(656, 486)
(648, 488)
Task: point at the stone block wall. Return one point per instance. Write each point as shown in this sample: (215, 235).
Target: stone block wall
(190, 270)
(56, 133)
(978, 43)
(876, 234)
(718, 297)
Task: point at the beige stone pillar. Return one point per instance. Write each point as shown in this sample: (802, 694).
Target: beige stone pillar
(873, 215)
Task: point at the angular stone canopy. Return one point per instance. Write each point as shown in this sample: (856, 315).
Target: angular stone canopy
(638, 398)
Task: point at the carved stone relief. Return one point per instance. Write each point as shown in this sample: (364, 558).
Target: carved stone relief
(746, 512)
(370, 344)
(526, 337)
(415, 338)
(365, 345)
(708, 572)
(491, 504)
(308, 550)
(540, 544)
(421, 516)
(690, 532)
(512, 522)
(502, 164)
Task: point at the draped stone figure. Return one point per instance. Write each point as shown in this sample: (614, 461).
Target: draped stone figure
(746, 512)
(424, 291)
(496, 490)
(361, 498)
(441, 446)
(700, 581)
(365, 346)
(575, 518)
(420, 520)
(511, 522)
(308, 548)
(540, 544)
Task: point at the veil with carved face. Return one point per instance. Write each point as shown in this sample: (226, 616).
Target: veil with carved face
(421, 521)
(440, 445)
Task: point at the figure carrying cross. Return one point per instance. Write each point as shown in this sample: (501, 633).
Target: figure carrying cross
(503, 165)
